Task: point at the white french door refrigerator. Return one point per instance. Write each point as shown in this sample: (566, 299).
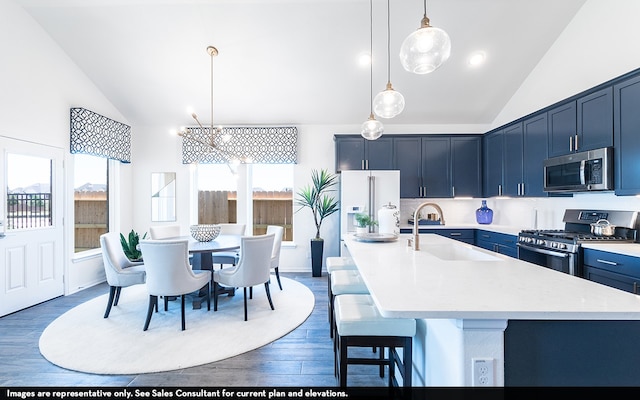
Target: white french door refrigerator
(366, 191)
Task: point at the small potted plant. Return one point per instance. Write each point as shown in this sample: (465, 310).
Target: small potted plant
(363, 222)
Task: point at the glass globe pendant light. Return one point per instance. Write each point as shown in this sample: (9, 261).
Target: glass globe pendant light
(388, 103)
(371, 128)
(424, 50)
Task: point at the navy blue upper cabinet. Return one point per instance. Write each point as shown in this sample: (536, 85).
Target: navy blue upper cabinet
(512, 160)
(436, 167)
(562, 129)
(535, 145)
(493, 151)
(627, 136)
(466, 166)
(355, 152)
(582, 124)
(439, 165)
(408, 151)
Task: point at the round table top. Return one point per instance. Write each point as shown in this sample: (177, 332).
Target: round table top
(221, 243)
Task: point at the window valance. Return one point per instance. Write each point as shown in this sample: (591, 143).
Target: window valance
(263, 145)
(98, 135)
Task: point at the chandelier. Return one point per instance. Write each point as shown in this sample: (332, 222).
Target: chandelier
(389, 102)
(371, 129)
(214, 134)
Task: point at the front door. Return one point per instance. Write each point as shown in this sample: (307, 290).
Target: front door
(31, 231)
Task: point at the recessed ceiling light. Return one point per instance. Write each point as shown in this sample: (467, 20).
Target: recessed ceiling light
(364, 59)
(477, 58)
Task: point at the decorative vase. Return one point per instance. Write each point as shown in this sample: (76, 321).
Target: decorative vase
(484, 215)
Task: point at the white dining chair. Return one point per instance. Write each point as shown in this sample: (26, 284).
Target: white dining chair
(252, 269)
(119, 270)
(229, 257)
(164, 231)
(169, 274)
(278, 232)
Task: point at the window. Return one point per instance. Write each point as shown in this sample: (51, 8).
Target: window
(91, 201)
(217, 194)
(272, 195)
(273, 198)
(29, 192)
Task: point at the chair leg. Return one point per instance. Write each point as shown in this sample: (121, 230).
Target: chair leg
(166, 303)
(266, 289)
(208, 296)
(118, 289)
(112, 292)
(182, 311)
(153, 303)
(251, 292)
(245, 303)
(278, 278)
(215, 296)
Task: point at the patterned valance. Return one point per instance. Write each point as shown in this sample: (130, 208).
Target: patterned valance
(263, 145)
(97, 135)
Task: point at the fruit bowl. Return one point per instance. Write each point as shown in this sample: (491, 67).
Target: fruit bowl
(204, 232)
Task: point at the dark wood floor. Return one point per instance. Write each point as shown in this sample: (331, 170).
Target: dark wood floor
(304, 357)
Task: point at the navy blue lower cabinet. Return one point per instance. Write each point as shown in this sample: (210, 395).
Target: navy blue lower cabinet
(616, 270)
(498, 242)
(462, 235)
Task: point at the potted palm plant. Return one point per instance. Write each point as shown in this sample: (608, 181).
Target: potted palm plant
(316, 197)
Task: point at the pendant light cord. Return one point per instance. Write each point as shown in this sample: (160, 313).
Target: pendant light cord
(389, 43)
(371, 56)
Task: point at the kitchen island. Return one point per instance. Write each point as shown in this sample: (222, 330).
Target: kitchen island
(472, 304)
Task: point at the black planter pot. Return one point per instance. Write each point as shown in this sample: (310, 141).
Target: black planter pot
(317, 247)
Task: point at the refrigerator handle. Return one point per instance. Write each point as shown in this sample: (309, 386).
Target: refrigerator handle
(372, 194)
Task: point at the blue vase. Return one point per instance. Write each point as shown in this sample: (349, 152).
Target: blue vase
(484, 215)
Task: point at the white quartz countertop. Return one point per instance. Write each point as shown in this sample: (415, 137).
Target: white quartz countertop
(451, 279)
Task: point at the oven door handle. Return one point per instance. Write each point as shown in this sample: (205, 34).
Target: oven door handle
(543, 251)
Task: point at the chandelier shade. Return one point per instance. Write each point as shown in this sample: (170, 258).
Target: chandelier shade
(372, 129)
(425, 49)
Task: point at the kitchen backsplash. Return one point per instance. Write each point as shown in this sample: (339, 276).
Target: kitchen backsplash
(523, 213)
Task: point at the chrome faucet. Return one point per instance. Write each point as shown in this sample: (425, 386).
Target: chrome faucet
(416, 236)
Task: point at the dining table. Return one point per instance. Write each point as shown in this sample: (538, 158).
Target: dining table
(202, 259)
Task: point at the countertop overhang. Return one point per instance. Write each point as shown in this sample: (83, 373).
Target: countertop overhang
(418, 284)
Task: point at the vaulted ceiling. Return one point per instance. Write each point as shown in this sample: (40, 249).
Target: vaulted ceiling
(296, 61)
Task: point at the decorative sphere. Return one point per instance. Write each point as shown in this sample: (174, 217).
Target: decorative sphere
(372, 129)
(388, 103)
(425, 50)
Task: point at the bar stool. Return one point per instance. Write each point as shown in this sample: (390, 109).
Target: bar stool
(346, 281)
(360, 324)
(336, 264)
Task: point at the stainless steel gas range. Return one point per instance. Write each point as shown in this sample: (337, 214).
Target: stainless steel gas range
(561, 249)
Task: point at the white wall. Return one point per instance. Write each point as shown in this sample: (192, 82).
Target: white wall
(598, 45)
(39, 84)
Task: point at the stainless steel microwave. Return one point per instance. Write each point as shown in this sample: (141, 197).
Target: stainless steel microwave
(580, 172)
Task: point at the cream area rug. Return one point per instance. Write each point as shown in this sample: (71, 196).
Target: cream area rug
(82, 340)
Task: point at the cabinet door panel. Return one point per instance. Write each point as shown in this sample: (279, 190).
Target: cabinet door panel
(627, 136)
(408, 159)
(595, 120)
(562, 128)
(379, 153)
(535, 145)
(512, 167)
(349, 153)
(466, 166)
(436, 170)
(493, 164)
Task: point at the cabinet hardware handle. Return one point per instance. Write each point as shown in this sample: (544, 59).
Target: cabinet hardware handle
(570, 143)
(455, 234)
(500, 190)
(606, 262)
(362, 164)
(486, 236)
(453, 191)
(576, 142)
(522, 189)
